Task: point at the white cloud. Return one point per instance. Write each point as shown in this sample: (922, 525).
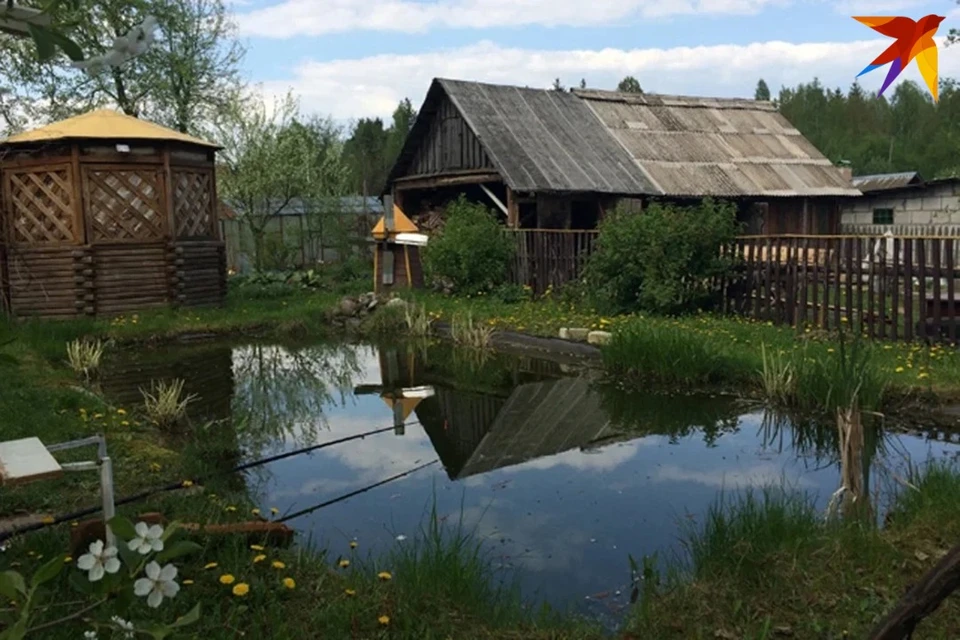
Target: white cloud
(758, 475)
(317, 17)
(372, 86)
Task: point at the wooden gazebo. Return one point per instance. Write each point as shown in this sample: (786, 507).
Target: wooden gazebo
(104, 214)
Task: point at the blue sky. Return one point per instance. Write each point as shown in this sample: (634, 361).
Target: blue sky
(357, 58)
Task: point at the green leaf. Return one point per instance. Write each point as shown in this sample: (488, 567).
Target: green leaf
(47, 572)
(189, 618)
(131, 559)
(122, 528)
(12, 585)
(16, 632)
(46, 48)
(171, 529)
(80, 584)
(178, 549)
(69, 47)
(6, 358)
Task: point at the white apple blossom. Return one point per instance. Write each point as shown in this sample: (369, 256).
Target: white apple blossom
(124, 48)
(125, 625)
(98, 561)
(90, 635)
(159, 584)
(148, 539)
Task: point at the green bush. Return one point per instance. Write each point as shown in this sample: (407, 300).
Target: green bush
(662, 259)
(471, 252)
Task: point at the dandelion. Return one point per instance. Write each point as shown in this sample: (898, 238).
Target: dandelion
(289, 583)
(67, 560)
(121, 412)
(100, 560)
(124, 423)
(257, 547)
(353, 544)
(188, 582)
(276, 564)
(255, 512)
(227, 579)
(899, 370)
(187, 483)
(159, 584)
(344, 563)
(231, 508)
(148, 539)
(155, 467)
(350, 592)
(210, 565)
(259, 558)
(384, 575)
(923, 374)
(384, 620)
(274, 510)
(241, 589)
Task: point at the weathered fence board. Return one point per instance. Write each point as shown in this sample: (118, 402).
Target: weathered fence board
(549, 257)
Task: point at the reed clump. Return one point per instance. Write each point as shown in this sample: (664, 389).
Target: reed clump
(84, 356)
(165, 403)
(467, 332)
(417, 320)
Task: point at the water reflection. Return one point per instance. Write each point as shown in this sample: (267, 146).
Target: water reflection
(562, 477)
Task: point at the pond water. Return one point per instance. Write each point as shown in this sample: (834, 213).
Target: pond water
(561, 477)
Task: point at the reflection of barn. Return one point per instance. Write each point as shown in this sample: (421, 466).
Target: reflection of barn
(540, 414)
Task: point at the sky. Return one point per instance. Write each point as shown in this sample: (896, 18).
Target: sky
(358, 58)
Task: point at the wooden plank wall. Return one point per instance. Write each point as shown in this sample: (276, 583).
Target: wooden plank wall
(49, 282)
(897, 288)
(200, 273)
(450, 144)
(549, 257)
(130, 277)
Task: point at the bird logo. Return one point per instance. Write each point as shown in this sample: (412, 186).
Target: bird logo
(914, 40)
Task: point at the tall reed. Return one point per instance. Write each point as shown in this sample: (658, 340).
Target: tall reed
(417, 320)
(465, 331)
(165, 404)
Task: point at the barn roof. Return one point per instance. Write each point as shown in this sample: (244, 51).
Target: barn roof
(887, 181)
(537, 140)
(104, 124)
(633, 144)
(691, 146)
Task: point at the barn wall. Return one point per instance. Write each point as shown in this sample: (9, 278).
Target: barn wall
(449, 145)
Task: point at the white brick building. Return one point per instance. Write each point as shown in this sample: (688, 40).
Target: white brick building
(904, 204)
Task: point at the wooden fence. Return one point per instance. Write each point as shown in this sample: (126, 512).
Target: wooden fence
(549, 257)
(884, 287)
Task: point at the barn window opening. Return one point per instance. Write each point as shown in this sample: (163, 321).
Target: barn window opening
(883, 216)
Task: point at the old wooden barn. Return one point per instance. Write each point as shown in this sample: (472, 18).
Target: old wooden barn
(550, 159)
(104, 214)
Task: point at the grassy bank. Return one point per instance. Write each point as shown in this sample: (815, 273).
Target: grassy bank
(767, 566)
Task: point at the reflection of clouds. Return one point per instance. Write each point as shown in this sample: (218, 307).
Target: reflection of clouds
(599, 459)
(318, 485)
(759, 475)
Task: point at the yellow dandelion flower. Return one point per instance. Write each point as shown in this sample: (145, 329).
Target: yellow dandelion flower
(830, 350)
(255, 512)
(385, 575)
(121, 412)
(231, 508)
(344, 564)
(241, 589)
(350, 592)
(256, 547)
(227, 579)
(353, 544)
(210, 565)
(67, 560)
(97, 416)
(899, 369)
(187, 483)
(289, 583)
(276, 564)
(259, 558)
(384, 620)
(923, 374)
(274, 510)
(188, 582)
(47, 520)
(124, 423)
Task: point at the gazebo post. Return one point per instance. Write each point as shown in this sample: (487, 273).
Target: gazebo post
(82, 232)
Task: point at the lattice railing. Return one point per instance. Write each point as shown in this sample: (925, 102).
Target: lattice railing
(125, 203)
(192, 205)
(41, 206)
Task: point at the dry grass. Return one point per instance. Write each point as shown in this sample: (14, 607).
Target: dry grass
(165, 404)
(84, 356)
(469, 333)
(417, 320)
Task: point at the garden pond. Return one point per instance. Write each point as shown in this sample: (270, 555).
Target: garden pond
(560, 476)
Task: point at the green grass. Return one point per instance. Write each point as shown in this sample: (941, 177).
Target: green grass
(766, 563)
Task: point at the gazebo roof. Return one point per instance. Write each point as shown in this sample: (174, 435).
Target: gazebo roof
(104, 124)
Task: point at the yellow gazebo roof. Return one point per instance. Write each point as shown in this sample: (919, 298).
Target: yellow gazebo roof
(104, 124)
(401, 224)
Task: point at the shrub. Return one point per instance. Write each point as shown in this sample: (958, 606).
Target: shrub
(471, 252)
(662, 259)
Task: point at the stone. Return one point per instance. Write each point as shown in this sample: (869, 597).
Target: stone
(353, 323)
(396, 302)
(348, 307)
(599, 337)
(577, 333)
(564, 333)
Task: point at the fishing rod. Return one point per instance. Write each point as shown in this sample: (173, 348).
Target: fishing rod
(357, 492)
(69, 517)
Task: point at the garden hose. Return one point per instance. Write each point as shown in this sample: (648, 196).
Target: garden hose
(69, 517)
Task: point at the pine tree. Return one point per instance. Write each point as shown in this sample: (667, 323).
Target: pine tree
(762, 92)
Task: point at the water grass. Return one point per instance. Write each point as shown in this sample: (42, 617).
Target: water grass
(84, 356)
(467, 332)
(417, 320)
(165, 404)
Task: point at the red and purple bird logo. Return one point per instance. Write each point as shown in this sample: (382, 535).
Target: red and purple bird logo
(914, 40)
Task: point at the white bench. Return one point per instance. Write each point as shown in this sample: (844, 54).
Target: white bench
(29, 460)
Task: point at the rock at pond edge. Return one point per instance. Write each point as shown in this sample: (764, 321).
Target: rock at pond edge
(599, 337)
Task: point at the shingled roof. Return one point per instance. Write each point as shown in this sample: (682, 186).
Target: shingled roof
(634, 144)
